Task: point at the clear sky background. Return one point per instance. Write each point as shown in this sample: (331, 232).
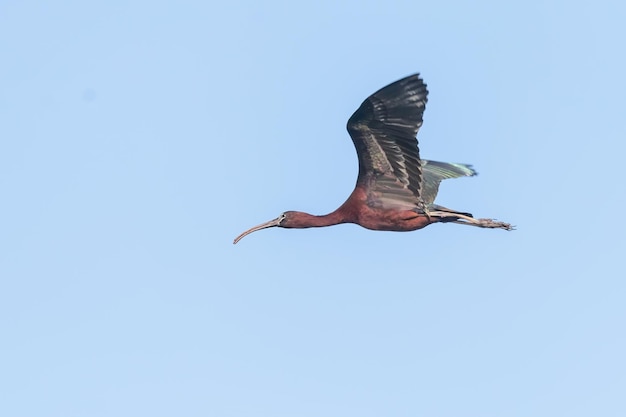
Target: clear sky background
(138, 138)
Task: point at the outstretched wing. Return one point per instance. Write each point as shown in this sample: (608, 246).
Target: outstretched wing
(384, 133)
(434, 172)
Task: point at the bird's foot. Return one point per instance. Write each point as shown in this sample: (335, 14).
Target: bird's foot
(492, 224)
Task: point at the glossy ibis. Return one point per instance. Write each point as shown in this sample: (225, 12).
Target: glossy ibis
(395, 189)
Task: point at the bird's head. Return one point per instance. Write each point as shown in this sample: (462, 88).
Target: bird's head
(287, 219)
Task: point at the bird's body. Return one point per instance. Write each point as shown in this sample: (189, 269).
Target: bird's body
(395, 189)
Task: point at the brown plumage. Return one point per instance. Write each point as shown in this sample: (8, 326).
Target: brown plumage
(395, 189)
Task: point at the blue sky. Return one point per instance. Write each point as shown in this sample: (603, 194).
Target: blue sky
(137, 139)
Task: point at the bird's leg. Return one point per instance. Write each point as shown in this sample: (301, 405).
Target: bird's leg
(486, 223)
(470, 221)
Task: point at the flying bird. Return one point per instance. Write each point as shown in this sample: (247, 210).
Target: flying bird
(395, 189)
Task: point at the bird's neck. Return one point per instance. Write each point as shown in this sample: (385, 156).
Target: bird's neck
(303, 220)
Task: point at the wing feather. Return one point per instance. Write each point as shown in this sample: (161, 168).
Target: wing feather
(434, 172)
(384, 130)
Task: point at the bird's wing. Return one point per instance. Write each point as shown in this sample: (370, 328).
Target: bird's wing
(434, 172)
(384, 133)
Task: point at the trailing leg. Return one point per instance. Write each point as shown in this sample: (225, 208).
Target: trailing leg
(464, 218)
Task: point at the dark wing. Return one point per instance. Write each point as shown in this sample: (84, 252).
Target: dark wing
(434, 172)
(384, 133)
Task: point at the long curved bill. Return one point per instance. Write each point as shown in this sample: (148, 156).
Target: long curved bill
(271, 223)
